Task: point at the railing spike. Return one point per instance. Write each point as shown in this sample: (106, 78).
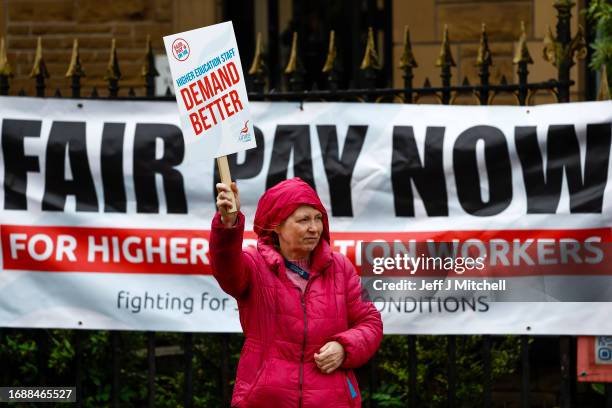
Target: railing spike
(148, 70)
(39, 68)
(523, 59)
(407, 64)
(466, 81)
(293, 64)
(522, 52)
(330, 67)
(112, 70)
(258, 64)
(549, 52)
(503, 80)
(294, 69)
(445, 59)
(370, 56)
(330, 60)
(168, 91)
(131, 92)
(5, 67)
(483, 62)
(427, 83)
(94, 92)
(58, 93)
(407, 59)
(578, 44)
(484, 53)
(75, 68)
(21, 92)
(113, 73)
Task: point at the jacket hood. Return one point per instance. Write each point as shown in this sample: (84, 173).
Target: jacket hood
(279, 202)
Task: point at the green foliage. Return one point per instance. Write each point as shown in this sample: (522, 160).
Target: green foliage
(19, 349)
(599, 388)
(599, 15)
(62, 351)
(432, 357)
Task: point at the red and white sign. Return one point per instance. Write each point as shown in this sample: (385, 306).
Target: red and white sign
(210, 89)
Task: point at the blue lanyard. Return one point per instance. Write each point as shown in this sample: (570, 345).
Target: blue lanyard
(293, 267)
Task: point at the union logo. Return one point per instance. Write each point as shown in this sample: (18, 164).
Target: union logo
(180, 49)
(245, 129)
(245, 136)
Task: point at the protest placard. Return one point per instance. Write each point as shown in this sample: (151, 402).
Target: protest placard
(211, 93)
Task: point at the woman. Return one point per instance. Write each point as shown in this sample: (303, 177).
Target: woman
(300, 304)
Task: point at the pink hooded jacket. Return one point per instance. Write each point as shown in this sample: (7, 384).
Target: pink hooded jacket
(285, 328)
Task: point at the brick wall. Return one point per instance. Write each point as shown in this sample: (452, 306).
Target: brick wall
(95, 23)
(503, 18)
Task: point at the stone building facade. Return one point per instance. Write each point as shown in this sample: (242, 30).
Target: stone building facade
(95, 23)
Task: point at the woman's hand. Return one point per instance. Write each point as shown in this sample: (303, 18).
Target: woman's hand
(329, 357)
(224, 203)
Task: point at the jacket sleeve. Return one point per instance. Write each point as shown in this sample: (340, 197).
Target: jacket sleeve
(229, 264)
(365, 331)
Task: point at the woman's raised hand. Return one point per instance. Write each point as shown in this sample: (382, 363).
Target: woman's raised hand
(224, 203)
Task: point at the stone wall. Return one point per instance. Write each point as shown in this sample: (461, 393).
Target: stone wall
(426, 20)
(95, 23)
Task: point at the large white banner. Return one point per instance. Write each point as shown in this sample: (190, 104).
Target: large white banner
(106, 207)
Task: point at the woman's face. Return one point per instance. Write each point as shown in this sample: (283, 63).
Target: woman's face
(299, 234)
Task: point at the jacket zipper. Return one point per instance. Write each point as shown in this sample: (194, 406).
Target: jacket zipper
(303, 350)
(303, 302)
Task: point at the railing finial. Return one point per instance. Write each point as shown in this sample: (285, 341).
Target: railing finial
(445, 59)
(113, 74)
(407, 59)
(484, 53)
(75, 68)
(522, 52)
(557, 53)
(258, 65)
(330, 60)
(294, 69)
(112, 70)
(40, 68)
(549, 52)
(293, 64)
(370, 57)
(5, 67)
(148, 70)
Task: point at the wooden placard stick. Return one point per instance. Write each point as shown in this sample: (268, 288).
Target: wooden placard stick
(226, 178)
